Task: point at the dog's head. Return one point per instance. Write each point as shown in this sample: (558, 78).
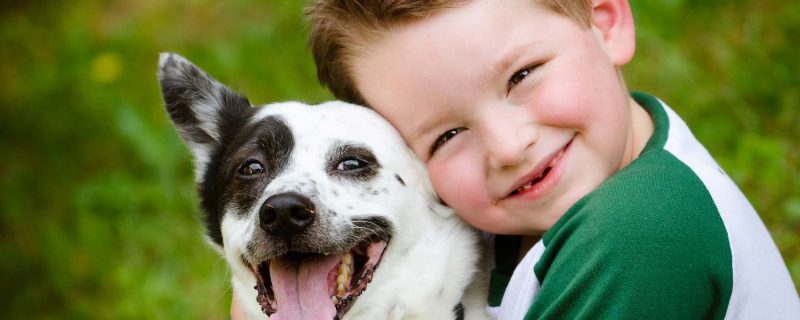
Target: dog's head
(302, 200)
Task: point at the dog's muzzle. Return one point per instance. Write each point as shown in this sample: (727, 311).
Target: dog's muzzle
(308, 282)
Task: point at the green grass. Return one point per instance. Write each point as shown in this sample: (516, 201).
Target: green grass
(97, 204)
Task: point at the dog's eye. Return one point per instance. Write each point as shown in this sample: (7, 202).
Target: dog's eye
(251, 167)
(350, 164)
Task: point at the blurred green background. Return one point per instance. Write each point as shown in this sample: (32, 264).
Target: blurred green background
(97, 205)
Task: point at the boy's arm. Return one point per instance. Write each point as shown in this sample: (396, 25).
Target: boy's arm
(659, 281)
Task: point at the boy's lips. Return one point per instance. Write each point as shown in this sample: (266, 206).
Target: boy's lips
(541, 177)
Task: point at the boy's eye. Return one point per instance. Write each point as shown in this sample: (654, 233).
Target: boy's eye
(520, 75)
(442, 139)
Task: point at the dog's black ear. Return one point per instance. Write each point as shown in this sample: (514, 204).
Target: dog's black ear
(200, 107)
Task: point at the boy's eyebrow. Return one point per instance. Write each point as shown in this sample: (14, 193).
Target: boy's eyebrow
(426, 126)
(509, 58)
(500, 67)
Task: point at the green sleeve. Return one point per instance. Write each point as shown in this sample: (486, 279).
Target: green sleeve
(644, 245)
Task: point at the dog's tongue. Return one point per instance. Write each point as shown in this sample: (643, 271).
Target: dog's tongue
(301, 287)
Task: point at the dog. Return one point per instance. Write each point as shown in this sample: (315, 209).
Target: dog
(320, 211)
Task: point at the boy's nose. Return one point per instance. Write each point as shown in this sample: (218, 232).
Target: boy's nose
(503, 154)
(507, 144)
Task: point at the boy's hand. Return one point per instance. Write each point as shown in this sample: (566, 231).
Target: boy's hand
(236, 310)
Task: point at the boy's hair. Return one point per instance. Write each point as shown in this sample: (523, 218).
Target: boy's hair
(340, 29)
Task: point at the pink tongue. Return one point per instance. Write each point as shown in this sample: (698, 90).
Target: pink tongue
(301, 287)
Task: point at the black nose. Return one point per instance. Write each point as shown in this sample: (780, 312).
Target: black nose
(286, 214)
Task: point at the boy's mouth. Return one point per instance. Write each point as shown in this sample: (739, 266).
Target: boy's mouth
(541, 173)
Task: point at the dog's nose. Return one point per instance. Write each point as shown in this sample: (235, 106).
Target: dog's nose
(286, 214)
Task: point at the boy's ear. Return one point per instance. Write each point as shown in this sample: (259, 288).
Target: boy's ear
(612, 20)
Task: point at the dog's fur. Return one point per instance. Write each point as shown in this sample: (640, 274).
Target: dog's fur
(342, 178)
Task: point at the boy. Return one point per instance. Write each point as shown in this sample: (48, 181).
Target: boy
(610, 207)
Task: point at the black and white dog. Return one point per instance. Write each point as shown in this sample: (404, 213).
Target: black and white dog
(322, 212)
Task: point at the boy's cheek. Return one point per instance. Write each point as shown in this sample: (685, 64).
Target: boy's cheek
(457, 184)
(438, 175)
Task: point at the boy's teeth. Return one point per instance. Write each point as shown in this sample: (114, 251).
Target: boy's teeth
(542, 174)
(532, 182)
(525, 187)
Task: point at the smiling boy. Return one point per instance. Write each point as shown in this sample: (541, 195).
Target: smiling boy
(521, 113)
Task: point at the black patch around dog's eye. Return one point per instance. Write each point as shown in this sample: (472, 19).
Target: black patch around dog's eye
(262, 148)
(269, 142)
(351, 161)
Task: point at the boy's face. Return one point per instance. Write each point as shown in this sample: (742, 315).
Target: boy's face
(518, 112)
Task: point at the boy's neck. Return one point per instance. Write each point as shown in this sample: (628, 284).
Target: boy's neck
(639, 132)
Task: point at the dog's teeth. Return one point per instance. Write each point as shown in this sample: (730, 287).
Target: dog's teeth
(334, 300)
(341, 279)
(343, 275)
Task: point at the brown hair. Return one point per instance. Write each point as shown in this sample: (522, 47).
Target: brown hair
(340, 29)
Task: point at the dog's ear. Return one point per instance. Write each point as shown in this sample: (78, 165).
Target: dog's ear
(200, 107)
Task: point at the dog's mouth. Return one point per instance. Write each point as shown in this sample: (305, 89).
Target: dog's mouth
(314, 285)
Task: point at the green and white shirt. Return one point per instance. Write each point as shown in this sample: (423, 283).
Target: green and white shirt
(669, 236)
